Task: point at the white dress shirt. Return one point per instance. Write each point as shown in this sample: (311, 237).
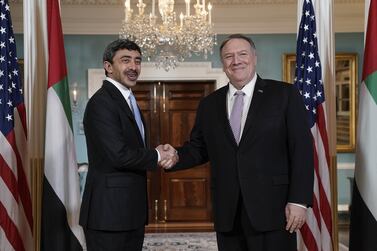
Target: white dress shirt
(124, 90)
(248, 89)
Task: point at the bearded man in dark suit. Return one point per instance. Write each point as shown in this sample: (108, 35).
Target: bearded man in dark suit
(114, 206)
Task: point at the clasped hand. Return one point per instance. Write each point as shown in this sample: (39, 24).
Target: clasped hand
(169, 156)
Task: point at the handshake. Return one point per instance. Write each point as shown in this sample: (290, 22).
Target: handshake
(169, 156)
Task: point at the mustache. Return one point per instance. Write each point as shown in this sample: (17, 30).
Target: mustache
(131, 71)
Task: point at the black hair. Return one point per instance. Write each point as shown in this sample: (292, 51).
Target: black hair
(117, 45)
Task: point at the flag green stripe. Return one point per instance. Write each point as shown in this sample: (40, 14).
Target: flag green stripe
(371, 84)
(62, 90)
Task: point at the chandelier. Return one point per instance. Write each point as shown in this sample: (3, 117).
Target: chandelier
(168, 42)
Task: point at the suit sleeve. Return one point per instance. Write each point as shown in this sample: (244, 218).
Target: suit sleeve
(194, 151)
(107, 138)
(300, 148)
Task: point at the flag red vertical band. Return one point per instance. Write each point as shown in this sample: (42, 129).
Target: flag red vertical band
(370, 62)
(55, 45)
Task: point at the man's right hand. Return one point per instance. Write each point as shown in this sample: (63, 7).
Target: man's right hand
(169, 156)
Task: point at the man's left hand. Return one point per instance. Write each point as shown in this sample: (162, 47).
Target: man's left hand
(296, 217)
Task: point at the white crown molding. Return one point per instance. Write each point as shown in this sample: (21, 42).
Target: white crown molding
(103, 17)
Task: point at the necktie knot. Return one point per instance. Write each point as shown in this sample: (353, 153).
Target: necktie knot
(237, 93)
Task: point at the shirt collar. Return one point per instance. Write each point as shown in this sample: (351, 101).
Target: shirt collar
(247, 89)
(124, 90)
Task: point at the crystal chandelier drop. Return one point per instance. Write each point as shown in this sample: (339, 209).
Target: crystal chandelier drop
(168, 42)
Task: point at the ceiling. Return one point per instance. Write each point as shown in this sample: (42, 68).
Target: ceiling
(218, 2)
(229, 16)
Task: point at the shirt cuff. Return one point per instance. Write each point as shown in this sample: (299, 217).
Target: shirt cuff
(158, 155)
(299, 205)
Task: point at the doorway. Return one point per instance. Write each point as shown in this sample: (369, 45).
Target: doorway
(178, 201)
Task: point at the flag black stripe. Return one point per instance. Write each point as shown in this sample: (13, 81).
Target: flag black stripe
(55, 232)
(363, 228)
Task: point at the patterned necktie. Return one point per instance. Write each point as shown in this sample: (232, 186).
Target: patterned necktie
(137, 115)
(236, 115)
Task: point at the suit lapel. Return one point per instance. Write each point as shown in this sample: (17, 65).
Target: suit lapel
(256, 101)
(223, 114)
(122, 103)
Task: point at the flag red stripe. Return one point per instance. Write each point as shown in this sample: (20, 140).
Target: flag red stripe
(315, 207)
(316, 211)
(23, 188)
(8, 177)
(325, 209)
(22, 114)
(308, 238)
(321, 124)
(10, 229)
(324, 200)
(370, 62)
(55, 45)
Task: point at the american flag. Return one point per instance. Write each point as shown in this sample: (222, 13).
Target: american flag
(316, 234)
(16, 218)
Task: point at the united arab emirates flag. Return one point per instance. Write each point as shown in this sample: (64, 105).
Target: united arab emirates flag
(61, 197)
(363, 232)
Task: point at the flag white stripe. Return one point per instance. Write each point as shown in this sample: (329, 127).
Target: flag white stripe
(4, 243)
(322, 236)
(6, 151)
(19, 219)
(325, 237)
(60, 162)
(300, 242)
(313, 226)
(322, 162)
(366, 157)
